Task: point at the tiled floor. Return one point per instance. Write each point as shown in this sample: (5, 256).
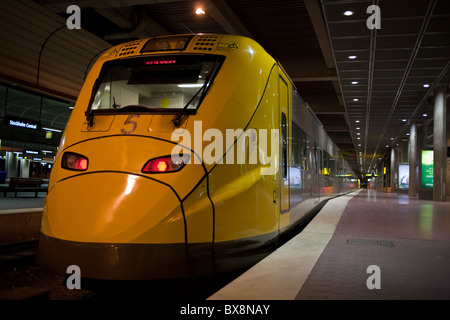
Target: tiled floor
(413, 259)
(408, 240)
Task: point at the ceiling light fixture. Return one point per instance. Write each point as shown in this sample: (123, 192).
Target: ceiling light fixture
(426, 85)
(199, 11)
(352, 57)
(404, 120)
(357, 121)
(354, 82)
(348, 13)
(355, 99)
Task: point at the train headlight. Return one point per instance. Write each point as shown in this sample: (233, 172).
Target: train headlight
(164, 165)
(74, 161)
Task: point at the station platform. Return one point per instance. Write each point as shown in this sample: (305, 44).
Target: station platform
(363, 245)
(20, 217)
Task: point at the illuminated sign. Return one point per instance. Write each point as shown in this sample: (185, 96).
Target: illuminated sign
(427, 168)
(403, 172)
(22, 123)
(160, 62)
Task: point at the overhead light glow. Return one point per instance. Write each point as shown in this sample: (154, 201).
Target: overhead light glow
(426, 85)
(352, 57)
(404, 120)
(357, 121)
(425, 114)
(199, 11)
(51, 129)
(190, 85)
(354, 82)
(355, 99)
(348, 13)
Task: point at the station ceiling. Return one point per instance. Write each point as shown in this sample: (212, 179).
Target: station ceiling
(365, 84)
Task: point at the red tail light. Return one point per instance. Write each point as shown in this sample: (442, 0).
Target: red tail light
(163, 165)
(74, 161)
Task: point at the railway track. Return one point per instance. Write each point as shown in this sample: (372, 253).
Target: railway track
(17, 253)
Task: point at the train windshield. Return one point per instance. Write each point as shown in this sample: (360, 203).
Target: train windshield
(170, 84)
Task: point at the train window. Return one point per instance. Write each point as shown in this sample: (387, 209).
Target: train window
(154, 83)
(298, 146)
(328, 164)
(284, 145)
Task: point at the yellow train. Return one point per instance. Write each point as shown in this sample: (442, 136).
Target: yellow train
(184, 156)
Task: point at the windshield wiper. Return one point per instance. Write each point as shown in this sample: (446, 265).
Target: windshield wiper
(89, 114)
(177, 120)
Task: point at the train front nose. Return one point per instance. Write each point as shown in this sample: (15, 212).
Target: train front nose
(117, 225)
(114, 222)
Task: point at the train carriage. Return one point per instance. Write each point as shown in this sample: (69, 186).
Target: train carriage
(184, 156)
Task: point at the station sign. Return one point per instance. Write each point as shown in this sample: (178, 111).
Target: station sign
(22, 123)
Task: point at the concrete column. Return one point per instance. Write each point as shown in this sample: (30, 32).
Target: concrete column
(24, 168)
(439, 144)
(394, 170)
(412, 160)
(11, 165)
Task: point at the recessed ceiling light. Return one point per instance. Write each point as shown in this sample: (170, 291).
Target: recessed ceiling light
(199, 11)
(358, 128)
(358, 138)
(425, 115)
(404, 120)
(348, 13)
(355, 99)
(407, 134)
(358, 133)
(359, 144)
(426, 85)
(357, 121)
(352, 57)
(354, 82)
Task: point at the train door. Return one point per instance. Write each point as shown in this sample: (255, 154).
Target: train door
(284, 150)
